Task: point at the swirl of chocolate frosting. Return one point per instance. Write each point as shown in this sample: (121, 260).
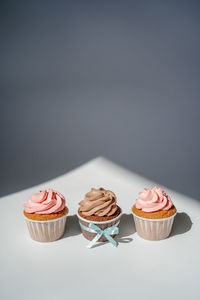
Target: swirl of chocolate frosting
(99, 202)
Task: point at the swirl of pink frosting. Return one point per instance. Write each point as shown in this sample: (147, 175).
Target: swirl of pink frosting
(45, 202)
(153, 199)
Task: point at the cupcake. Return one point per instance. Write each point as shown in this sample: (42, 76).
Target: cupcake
(153, 214)
(99, 216)
(45, 214)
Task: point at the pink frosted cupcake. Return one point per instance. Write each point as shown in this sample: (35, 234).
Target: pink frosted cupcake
(153, 214)
(45, 214)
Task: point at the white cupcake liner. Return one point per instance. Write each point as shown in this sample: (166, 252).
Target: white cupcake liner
(102, 225)
(153, 229)
(46, 231)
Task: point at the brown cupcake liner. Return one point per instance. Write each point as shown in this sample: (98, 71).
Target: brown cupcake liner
(153, 229)
(102, 225)
(46, 231)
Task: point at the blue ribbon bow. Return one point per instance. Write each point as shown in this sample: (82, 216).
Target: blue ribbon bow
(113, 230)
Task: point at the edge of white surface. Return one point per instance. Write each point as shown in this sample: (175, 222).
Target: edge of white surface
(54, 179)
(102, 164)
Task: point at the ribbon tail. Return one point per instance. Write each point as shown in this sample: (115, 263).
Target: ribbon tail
(111, 240)
(95, 239)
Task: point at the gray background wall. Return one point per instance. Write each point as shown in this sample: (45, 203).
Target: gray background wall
(118, 79)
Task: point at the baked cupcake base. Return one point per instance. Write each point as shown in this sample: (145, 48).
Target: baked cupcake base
(154, 215)
(46, 217)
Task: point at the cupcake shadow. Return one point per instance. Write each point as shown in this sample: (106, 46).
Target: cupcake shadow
(182, 224)
(72, 226)
(126, 228)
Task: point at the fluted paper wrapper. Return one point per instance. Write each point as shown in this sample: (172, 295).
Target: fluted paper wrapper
(153, 229)
(46, 231)
(103, 225)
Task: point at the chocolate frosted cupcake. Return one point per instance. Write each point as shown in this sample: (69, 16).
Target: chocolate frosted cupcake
(153, 214)
(99, 208)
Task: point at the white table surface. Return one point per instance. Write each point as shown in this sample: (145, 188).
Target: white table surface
(66, 269)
